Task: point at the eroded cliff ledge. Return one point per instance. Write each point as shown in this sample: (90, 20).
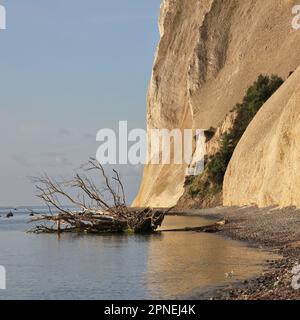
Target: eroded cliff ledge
(209, 53)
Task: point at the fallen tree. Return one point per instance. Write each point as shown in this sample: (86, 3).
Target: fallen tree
(98, 210)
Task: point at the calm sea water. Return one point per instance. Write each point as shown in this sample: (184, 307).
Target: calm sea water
(168, 265)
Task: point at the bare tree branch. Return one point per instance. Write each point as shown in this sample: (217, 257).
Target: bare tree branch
(106, 212)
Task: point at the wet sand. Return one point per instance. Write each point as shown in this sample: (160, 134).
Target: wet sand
(274, 229)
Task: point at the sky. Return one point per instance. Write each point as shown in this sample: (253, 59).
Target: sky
(69, 68)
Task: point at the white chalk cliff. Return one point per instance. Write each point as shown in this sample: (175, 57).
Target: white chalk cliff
(210, 52)
(265, 167)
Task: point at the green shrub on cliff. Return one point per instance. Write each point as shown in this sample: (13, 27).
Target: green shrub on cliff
(208, 185)
(217, 164)
(255, 97)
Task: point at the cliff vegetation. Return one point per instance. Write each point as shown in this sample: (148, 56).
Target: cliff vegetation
(205, 190)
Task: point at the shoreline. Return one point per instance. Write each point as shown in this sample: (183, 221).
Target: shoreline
(273, 229)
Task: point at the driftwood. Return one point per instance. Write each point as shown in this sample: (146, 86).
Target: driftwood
(99, 210)
(213, 228)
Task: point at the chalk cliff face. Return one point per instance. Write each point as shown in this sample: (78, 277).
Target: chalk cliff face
(265, 167)
(210, 52)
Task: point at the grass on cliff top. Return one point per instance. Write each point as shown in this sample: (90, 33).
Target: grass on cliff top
(261, 90)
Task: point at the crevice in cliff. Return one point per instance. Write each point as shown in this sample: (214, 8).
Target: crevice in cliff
(206, 189)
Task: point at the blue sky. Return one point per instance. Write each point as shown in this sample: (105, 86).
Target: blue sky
(67, 69)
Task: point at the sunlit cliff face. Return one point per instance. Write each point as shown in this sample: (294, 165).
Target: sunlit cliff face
(210, 52)
(264, 169)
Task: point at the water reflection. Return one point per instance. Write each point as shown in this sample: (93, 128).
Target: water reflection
(179, 263)
(164, 265)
